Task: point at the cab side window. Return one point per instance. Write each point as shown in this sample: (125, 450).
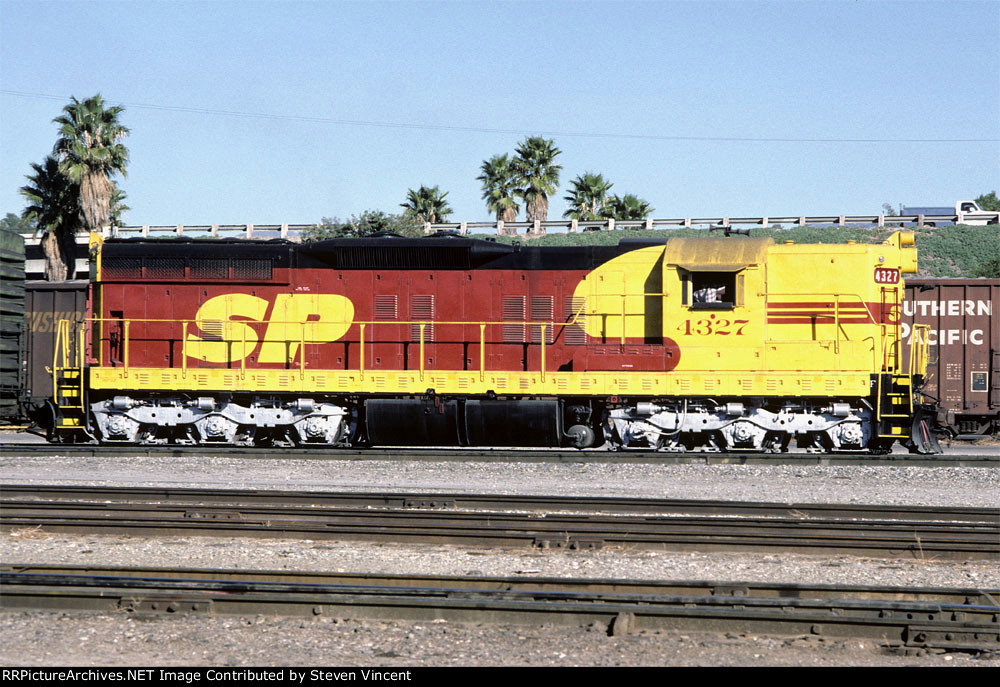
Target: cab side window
(710, 290)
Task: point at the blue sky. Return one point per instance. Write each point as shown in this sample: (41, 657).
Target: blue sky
(618, 85)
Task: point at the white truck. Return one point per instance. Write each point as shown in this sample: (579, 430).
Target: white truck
(963, 212)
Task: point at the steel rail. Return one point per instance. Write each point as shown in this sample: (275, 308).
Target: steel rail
(893, 538)
(252, 498)
(947, 595)
(929, 618)
(461, 455)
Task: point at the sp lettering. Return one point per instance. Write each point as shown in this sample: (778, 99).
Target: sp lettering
(229, 326)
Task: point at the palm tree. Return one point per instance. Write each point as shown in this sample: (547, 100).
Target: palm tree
(538, 175)
(499, 188)
(588, 197)
(53, 207)
(90, 152)
(627, 207)
(426, 205)
(117, 208)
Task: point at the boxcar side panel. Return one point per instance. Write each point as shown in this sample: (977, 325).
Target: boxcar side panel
(47, 303)
(965, 347)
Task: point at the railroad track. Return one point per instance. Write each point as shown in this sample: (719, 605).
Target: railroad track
(958, 459)
(955, 619)
(504, 521)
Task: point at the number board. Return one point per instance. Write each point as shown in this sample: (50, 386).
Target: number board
(886, 275)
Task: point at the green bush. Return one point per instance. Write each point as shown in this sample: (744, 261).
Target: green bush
(954, 251)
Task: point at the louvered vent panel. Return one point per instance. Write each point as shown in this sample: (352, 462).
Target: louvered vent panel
(422, 308)
(542, 310)
(217, 268)
(164, 268)
(386, 308)
(514, 310)
(254, 270)
(212, 330)
(575, 333)
(121, 268)
(402, 257)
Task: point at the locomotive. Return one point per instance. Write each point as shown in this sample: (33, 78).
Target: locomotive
(679, 344)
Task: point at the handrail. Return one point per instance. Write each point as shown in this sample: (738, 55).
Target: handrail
(919, 347)
(302, 339)
(577, 318)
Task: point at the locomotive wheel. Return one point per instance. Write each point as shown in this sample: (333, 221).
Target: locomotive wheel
(580, 436)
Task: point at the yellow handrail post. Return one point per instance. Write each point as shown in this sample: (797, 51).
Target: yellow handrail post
(184, 358)
(543, 349)
(362, 325)
(55, 361)
(243, 358)
(422, 351)
(836, 324)
(125, 348)
(65, 342)
(80, 357)
(482, 351)
(302, 350)
(623, 322)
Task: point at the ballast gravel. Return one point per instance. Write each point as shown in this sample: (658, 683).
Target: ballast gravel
(58, 639)
(861, 484)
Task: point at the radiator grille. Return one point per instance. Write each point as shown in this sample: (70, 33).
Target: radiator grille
(252, 269)
(164, 268)
(121, 268)
(209, 268)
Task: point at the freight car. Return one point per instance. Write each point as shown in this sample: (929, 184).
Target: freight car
(11, 324)
(964, 349)
(681, 344)
(46, 304)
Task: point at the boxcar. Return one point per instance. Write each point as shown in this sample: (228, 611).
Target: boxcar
(11, 324)
(964, 338)
(46, 304)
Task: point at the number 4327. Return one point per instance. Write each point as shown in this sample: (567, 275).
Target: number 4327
(713, 326)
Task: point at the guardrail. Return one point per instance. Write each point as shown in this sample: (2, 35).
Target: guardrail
(536, 228)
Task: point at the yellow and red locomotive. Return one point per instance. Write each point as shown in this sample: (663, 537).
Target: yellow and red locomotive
(680, 344)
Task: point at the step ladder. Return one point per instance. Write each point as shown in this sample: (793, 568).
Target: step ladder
(68, 372)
